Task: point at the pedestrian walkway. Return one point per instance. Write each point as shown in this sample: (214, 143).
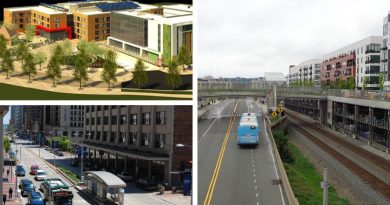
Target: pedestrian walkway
(10, 182)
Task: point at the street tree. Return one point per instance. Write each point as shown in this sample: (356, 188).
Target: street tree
(140, 77)
(110, 67)
(58, 53)
(67, 48)
(29, 66)
(173, 77)
(22, 52)
(30, 32)
(7, 63)
(381, 80)
(6, 144)
(3, 45)
(40, 58)
(351, 83)
(184, 56)
(365, 82)
(54, 69)
(81, 65)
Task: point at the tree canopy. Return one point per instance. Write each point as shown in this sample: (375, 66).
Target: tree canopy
(140, 78)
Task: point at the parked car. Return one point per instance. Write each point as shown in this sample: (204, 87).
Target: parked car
(26, 186)
(35, 198)
(125, 176)
(33, 169)
(40, 175)
(146, 184)
(11, 154)
(19, 171)
(59, 153)
(9, 162)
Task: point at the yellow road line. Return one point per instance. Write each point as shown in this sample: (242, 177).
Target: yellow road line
(214, 178)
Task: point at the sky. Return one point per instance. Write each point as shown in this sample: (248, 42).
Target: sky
(247, 38)
(7, 116)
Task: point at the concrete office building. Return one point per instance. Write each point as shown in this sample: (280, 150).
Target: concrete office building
(32, 119)
(156, 32)
(385, 51)
(308, 70)
(17, 116)
(357, 60)
(141, 140)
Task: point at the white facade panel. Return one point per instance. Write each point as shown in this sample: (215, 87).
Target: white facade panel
(153, 35)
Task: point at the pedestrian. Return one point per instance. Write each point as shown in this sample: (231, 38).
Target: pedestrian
(4, 198)
(10, 191)
(7, 172)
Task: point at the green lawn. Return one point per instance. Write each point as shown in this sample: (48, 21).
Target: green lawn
(11, 92)
(305, 181)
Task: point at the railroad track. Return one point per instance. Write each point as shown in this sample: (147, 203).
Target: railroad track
(373, 181)
(363, 153)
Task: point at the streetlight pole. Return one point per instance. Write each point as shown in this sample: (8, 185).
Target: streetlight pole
(82, 158)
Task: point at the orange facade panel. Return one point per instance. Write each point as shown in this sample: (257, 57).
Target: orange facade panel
(94, 27)
(19, 19)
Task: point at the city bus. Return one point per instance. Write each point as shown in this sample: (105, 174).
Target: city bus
(56, 192)
(248, 130)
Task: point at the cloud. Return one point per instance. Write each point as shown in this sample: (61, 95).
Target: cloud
(247, 38)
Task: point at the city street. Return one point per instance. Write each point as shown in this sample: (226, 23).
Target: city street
(246, 175)
(29, 158)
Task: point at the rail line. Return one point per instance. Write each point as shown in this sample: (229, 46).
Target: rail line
(376, 183)
(375, 159)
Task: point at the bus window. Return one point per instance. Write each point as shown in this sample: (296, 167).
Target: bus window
(253, 127)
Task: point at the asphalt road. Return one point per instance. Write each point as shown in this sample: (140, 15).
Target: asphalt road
(245, 175)
(28, 159)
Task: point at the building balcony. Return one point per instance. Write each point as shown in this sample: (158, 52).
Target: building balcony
(371, 61)
(383, 60)
(384, 47)
(371, 51)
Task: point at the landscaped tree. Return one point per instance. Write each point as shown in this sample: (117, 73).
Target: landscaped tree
(81, 65)
(7, 63)
(173, 77)
(22, 52)
(3, 45)
(58, 53)
(365, 82)
(6, 145)
(29, 66)
(54, 69)
(67, 48)
(339, 84)
(40, 58)
(350, 83)
(91, 49)
(30, 32)
(184, 56)
(381, 80)
(140, 78)
(110, 67)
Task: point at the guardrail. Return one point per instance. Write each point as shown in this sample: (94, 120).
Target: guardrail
(292, 200)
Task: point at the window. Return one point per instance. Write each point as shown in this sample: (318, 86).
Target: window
(86, 121)
(112, 137)
(98, 135)
(105, 120)
(105, 134)
(123, 120)
(96, 32)
(122, 137)
(98, 120)
(114, 120)
(132, 138)
(146, 118)
(96, 20)
(108, 18)
(160, 118)
(20, 25)
(133, 119)
(160, 141)
(106, 107)
(99, 108)
(92, 121)
(145, 139)
(97, 26)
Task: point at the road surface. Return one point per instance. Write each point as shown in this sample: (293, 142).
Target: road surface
(244, 175)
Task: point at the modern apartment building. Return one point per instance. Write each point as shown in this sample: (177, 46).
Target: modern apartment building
(308, 70)
(357, 60)
(91, 24)
(157, 33)
(153, 142)
(18, 16)
(385, 51)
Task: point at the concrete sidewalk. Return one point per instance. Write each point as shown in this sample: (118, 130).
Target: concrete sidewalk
(7, 183)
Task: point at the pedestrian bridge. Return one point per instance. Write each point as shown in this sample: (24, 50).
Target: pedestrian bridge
(230, 94)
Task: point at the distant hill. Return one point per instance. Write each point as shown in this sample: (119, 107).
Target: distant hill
(16, 3)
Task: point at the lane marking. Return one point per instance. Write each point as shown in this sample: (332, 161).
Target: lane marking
(207, 130)
(273, 159)
(210, 191)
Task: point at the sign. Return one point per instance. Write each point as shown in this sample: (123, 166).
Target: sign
(280, 109)
(274, 114)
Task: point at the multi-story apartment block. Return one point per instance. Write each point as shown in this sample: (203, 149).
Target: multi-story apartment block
(18, 16)
(385, 51)
(358, 60)
(91, 24)
(308, 70)
(142, 140)
(157, 33)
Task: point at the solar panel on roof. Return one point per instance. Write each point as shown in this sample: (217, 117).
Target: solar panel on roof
(118, 6)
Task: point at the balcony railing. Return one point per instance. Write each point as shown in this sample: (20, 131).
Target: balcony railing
(371, 61)
(372, 51)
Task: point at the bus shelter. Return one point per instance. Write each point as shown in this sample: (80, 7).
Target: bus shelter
(104, 185)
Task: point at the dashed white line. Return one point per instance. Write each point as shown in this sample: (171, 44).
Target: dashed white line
(207, 130)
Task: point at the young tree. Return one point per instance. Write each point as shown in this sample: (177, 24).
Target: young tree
(173, 78)
(365, 82)
(139, 74)
(30, 32)
(22, 52)
(381, 80)
(81, 65)
(58, 53)
(7, 63)
(40, 58)
(110, 67)
(67, 48)
(184, 56)
(3, 45)
(6, 144)
(29, 66)
(351, 83)
(54, 69)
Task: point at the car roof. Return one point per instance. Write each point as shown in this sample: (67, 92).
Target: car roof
(35, 193)
(33, 166)
(26, 181)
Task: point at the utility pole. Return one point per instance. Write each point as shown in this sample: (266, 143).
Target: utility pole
(325, 186)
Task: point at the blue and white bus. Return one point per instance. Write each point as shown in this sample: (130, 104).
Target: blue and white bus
(248, 130)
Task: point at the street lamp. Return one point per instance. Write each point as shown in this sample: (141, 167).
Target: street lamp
(82, 155)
